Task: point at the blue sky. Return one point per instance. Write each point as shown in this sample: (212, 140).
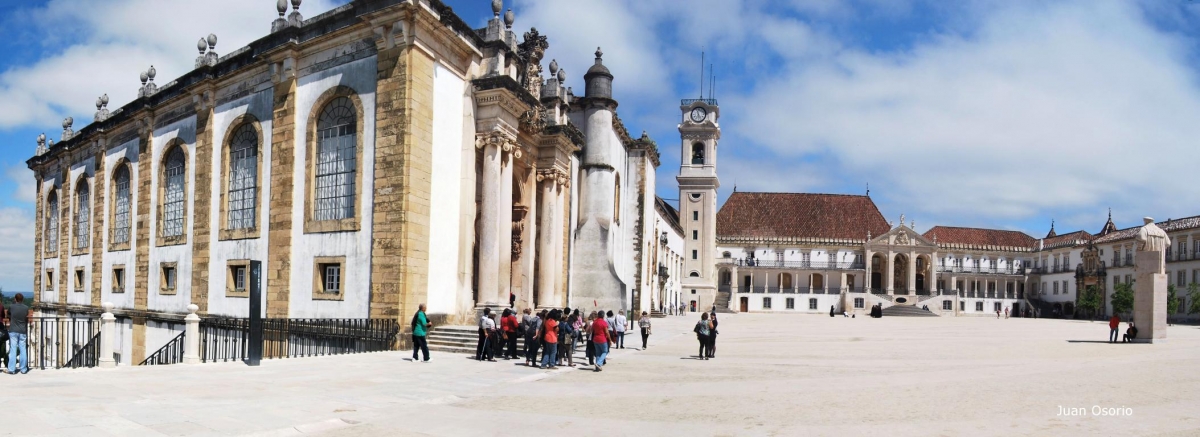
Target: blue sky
(987, 113)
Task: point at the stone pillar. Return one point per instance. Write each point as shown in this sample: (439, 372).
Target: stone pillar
(504, 221)
(867, 268)
(191, 336)
(108, 336)
(1150, 297)
(912, 273)
(890, 276)
(561, 227)
(489, 228)
(547, 237)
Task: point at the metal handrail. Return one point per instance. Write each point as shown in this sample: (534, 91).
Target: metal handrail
(170, 353)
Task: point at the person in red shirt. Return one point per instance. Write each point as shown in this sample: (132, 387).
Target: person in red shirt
(550, 340)
(1113, 324)
(508, 324)
(600, 341)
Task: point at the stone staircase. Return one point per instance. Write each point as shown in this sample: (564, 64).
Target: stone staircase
(458, 339)
(656, 314)
(906, 311)
(722, 302)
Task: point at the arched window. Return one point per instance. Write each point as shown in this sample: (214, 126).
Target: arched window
(82, 213)
(174, 174)
(243, 178)
(52, 222)
(695, 274)
(617, 199)
(336, 165)
(698, 153)
(121, 205)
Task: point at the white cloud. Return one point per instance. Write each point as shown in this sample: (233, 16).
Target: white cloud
(26, 186)
(1075, 105)
(16, 249)
(110, 42)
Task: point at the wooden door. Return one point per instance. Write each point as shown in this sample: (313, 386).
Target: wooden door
(745, 303)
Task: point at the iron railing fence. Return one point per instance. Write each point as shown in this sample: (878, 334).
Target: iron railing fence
(170, 353)
(227, 339)
(63, 342)
(817, 265)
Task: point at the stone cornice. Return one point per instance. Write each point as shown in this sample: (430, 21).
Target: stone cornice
(506, 83)
(806, 241)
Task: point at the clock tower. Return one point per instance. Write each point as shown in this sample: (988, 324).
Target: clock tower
(699, 133)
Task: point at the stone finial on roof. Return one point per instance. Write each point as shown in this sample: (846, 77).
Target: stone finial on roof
(67, 131)
(509, 18)
(102, 109)
(201, 46)
(295, 19)
(553, 67)
(497, 6)
(211, 57)
(281, 22)
(1052, 234)
(41, 145)
(148, 86)
(562, 76)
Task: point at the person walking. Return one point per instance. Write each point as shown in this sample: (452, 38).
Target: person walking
(549, 334)
(601, 339)
(589, 350)
(1113, 324)
(702, 330)
(620, 321)
(712, 336)
(420, 328)
(487, 326)
(831, 311)
(3, 340)
(1006, 312)
(644, 324)
(508, 328)
(18, 329)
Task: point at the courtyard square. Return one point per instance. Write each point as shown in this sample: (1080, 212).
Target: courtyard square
(773, 375)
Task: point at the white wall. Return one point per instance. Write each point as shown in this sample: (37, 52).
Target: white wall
(445, 208)
(181, 254)
(260, 106)
(355, 246)
(129, 151)
(49, 291)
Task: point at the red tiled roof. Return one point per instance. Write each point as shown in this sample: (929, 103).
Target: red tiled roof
(799, 215)
(979, 237)
(1171, 225)
(1067, 239)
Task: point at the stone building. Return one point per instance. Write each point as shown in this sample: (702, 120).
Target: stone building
(378, 156)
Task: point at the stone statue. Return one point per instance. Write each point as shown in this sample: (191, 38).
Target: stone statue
(1151, 238)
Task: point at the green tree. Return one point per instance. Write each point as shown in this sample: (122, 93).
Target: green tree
(1089, 300)
(1122, 298)
(1194, 297)
(1172, 300)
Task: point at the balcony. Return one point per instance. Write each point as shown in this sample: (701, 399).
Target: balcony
(1178, 256)
(777, 264)
(985, 270)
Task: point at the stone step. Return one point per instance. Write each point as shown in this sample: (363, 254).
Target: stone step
(906, 311)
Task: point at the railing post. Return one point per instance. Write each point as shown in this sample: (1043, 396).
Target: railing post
(191, 336)
(108, 326)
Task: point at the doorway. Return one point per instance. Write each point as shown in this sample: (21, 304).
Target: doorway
(744, 304)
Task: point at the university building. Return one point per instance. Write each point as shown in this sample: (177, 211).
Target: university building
(375, 157)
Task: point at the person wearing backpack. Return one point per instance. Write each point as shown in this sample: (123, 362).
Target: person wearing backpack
(420, 328)
(703, 329)
(565, 332)
(533, 324)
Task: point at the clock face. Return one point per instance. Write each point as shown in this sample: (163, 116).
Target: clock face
(698, 114)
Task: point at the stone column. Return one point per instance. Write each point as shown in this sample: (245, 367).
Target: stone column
(912, 273)
(504, 221)
(867, 268)
(890, 273)
(547, 237)
(560, 218)
(108, 336)
(489, 228)
(191, 336)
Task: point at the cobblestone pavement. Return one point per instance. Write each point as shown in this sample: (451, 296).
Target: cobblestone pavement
(773, 375)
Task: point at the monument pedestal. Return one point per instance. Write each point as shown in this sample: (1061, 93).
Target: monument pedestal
(1150, 298)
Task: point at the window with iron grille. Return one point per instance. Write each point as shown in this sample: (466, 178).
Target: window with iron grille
(243, 178)
(978, 306)
(52, 222)
(82, 213)
(173, 197)
(859, 302)
(331, 278)
(791, 303)
(947, 305)
(1181, 278)
(812, 304)
(336, 168)
(766, 303)
(1065, 287)
(121, 205)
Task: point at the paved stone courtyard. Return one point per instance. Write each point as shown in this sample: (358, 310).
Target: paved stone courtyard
(773, 375)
